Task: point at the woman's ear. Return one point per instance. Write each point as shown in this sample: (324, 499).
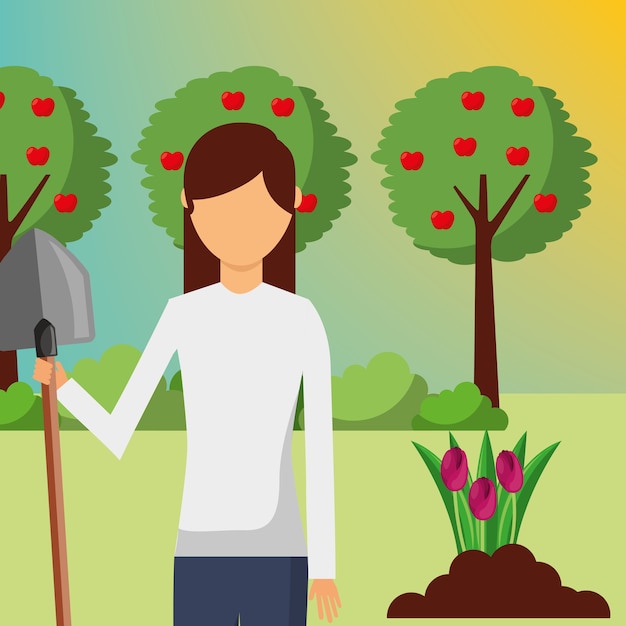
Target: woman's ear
(298, 198)
(183, 198)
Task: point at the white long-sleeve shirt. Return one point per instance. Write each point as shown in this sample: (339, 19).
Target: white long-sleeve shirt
(242, 357)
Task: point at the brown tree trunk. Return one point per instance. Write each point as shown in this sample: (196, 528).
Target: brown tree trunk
(8, 359)
(5, 225)
(8, 228)
(485, 353)
(8, 369)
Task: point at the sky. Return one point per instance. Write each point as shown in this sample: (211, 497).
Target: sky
(560, 313)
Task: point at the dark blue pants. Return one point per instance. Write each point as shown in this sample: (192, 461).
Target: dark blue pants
(259, 590)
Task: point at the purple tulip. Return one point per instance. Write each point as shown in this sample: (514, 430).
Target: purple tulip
(482, 498)
(454, 469)
(509, 471)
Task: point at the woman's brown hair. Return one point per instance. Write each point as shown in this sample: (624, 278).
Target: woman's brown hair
(224, 159)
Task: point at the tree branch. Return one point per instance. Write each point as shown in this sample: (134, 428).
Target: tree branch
(468, 205)
(16, 222)
(483, 205)
(506, 207)
(4, 201)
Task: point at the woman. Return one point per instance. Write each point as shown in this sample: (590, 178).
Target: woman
(244, 342)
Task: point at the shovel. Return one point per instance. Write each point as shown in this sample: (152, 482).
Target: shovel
(46, 301)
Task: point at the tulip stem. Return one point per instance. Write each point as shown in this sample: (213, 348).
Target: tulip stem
(503, 517)
(459, 528)
(482, 535)
(471, 519)
(514, 522)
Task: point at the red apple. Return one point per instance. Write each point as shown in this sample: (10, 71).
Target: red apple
(517, 156)
(38, 156)
(65, 204)
(545, 204)
(283, 108)
(233, 101)
(1, 99)
(473, 101)
(442, 221)
(42, 108)
(309, 202)
(465, 147)
(172, 160)
(411, 160)
(522, 108)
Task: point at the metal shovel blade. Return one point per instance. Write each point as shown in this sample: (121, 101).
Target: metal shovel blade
(41, 279)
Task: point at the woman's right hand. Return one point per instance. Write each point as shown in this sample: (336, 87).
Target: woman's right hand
(43, 373)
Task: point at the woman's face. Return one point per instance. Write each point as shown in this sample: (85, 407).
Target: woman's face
(242, 226)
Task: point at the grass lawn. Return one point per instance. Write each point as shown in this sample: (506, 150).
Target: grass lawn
(393, 534)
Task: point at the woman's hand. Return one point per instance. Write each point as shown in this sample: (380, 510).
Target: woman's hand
(327, 597)
(43, 373)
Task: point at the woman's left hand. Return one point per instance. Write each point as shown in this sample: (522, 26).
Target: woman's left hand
(327, 597)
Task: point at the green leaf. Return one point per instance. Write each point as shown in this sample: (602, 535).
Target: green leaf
(486, 465)
(505, 516)
(520, 449)
(532, 473)
(505, 504)
(433, 463)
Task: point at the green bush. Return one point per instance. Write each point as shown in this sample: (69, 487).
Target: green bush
(106, 379)
(366, 392)
(384, 395)
(398, 417)
(450, 407)
(31, 420)
(176, 384)
(15, 403)
(465, 408)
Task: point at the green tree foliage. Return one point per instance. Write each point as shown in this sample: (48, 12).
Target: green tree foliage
(320, 155)
(76, 163)
(432, 120)
(52, 167)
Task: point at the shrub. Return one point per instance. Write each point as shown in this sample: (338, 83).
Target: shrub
(384, 395)
(15, 402)
(106, 379)
(462, 409)
(366, 392)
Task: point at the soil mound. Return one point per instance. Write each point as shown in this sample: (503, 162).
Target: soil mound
(510, 583)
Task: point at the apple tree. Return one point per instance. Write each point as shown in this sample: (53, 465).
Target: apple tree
(52, 168)
(483, 165)
(256, 95)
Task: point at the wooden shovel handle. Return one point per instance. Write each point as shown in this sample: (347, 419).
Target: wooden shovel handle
(55, 498)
